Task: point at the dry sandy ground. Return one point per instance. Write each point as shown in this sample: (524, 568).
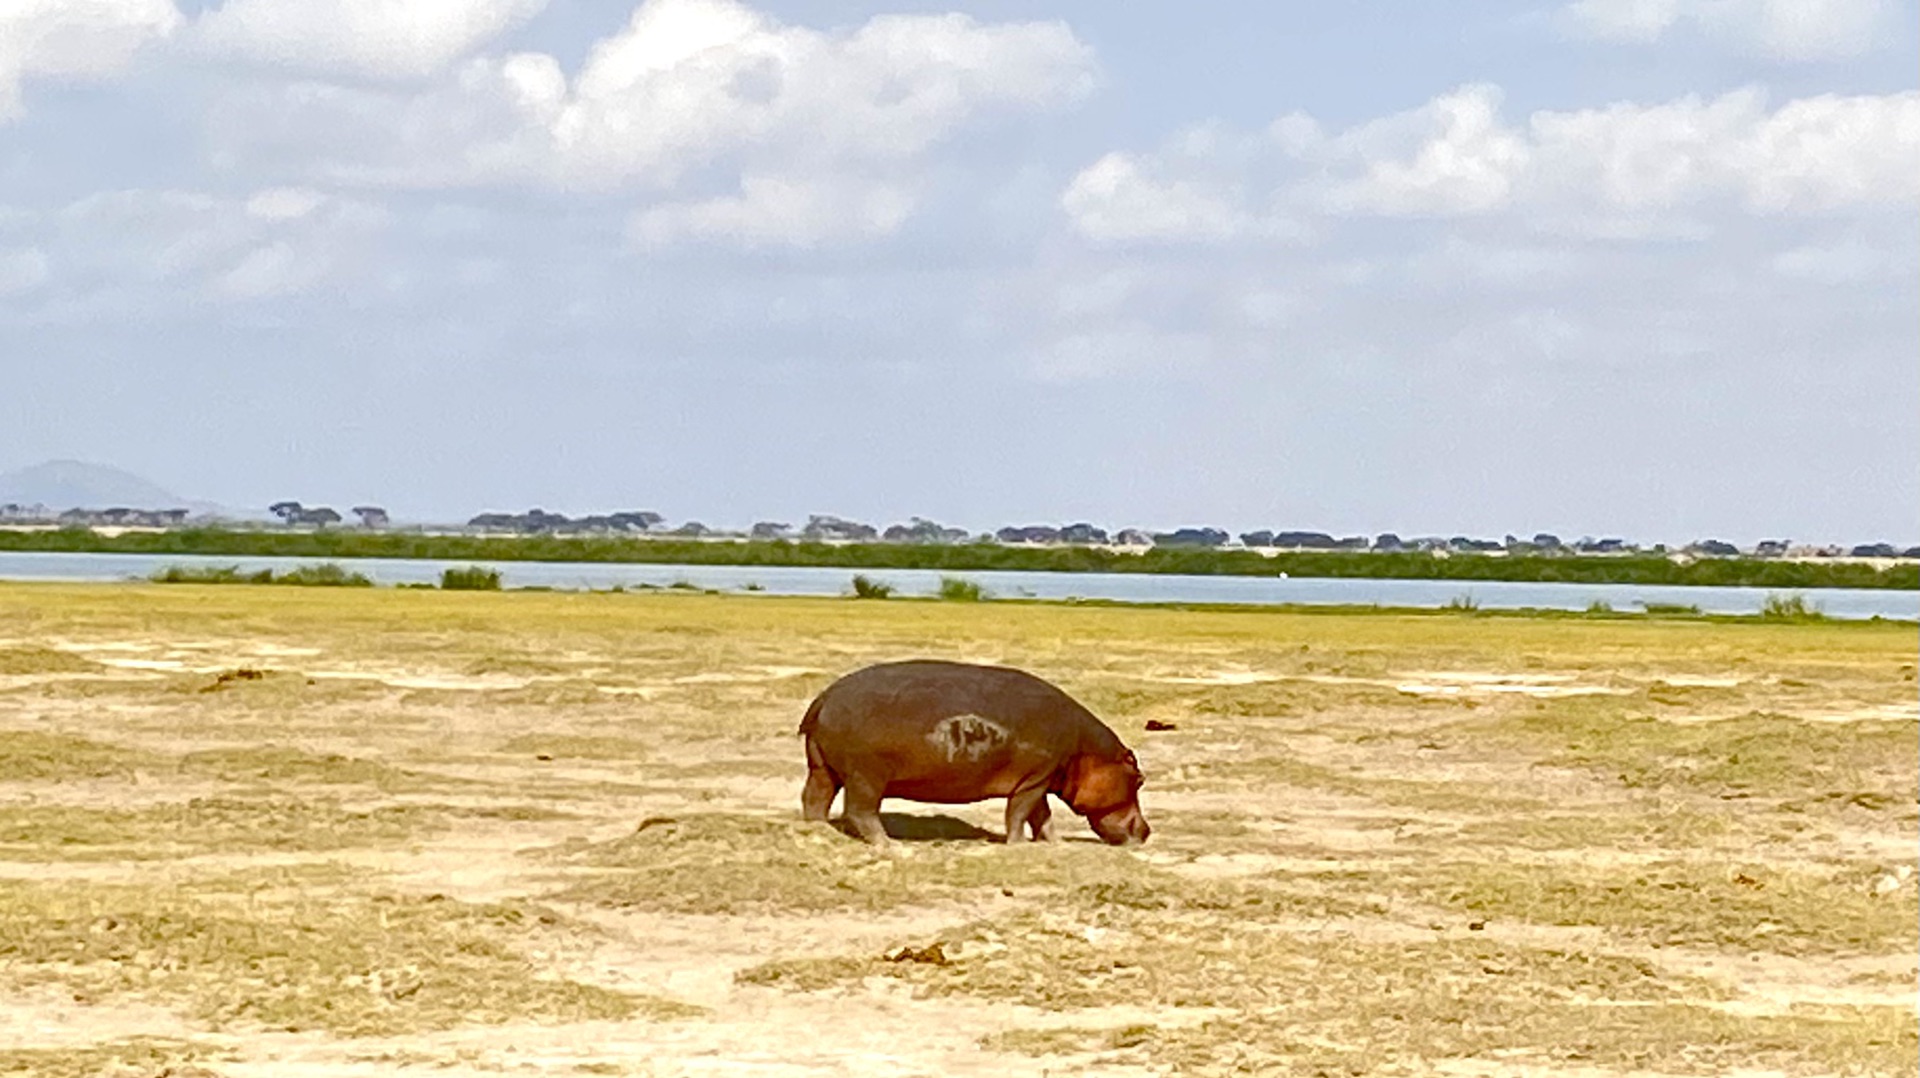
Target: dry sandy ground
(1321, 770)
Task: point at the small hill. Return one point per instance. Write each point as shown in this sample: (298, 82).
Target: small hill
(73, 484)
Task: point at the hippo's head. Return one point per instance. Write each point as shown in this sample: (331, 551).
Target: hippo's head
(1107, 793)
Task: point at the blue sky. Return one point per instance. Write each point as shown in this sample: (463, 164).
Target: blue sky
(1640, 267)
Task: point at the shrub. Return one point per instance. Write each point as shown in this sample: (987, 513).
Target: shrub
(1599, 606)
(1670, 608)
(1465, 604)
(213, 574)
(865, 587)
(324, 575)
(961, 590)
(470, 578)
(1792, 607)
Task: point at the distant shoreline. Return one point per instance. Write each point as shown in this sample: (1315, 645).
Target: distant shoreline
(346, 543)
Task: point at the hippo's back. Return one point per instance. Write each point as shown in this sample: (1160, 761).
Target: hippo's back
(915, 695)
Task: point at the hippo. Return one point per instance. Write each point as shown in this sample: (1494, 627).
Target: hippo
(952, 733)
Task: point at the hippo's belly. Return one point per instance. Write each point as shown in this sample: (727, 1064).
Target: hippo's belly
(954, 787)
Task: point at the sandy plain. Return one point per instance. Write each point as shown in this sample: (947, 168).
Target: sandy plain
(285, 831)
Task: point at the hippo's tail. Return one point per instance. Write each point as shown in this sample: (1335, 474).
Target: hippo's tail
(811, 720)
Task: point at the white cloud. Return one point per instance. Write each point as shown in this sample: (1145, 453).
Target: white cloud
(272, 269)
(729, 122)
(1116, 199)
(73, 39)
(146, 248)
(690, 81)
(1848, 261)
(1120, 349)
(388, 39)
(1621, 170)
(22, 269)
(1624, 20)
(1451, 156)
(1794, 30)
(782, 211)
(284, 203)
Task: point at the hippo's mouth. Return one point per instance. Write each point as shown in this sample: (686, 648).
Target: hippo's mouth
(1122, 827)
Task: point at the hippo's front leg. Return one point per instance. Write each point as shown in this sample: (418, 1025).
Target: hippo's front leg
(1029, 807)
(1041, 821)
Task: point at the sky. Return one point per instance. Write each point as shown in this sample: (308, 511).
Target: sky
(1647, 268)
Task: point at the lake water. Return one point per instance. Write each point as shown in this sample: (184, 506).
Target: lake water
(1122, 587)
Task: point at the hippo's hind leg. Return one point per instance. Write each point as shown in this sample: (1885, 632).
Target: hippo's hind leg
(1028, 809)
(816, 798)
(863, 809)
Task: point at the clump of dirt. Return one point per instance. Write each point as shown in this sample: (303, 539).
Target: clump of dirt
(229, 677)
(1758, 754)
(353, 966)
(32, 659)
(41, 756)
(275, 764)
(219, 825)
(131, 1056)
(576, 747)
(1304, 1000)
(723, 863)
(1749, 908)
(933, 954)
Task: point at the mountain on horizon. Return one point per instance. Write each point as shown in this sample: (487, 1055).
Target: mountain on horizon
(77, 484)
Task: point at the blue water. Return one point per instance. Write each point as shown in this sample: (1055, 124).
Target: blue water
(1122, 587)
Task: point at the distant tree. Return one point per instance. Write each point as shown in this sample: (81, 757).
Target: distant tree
(288, 512)
(692, 529)
(822, 526)
(1261, 538)
(320, 516)
(1206, 537)
(922, 530)
(639, 521)
(770, 529)
(371, 516)
(1028, 533)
